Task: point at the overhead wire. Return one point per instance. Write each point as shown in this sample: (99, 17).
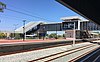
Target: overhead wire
(35, 14)
(12, 17)
(25, 10)
(26, 14)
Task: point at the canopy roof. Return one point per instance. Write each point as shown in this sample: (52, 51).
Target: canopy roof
(90, 9)
(28, 26)
(71, 17)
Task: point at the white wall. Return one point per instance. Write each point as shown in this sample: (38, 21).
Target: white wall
(58, 32)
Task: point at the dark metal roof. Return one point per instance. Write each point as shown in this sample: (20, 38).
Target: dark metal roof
(90, 9)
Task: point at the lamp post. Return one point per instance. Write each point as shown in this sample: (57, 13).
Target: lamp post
(74, 35)
(15, 29)
(56, 31)
(0, 22)
(43, 32)
(24, 33)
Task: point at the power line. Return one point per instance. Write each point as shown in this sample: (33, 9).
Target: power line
(27, 14)
(17, 17)
(12, 17)
(24, 10)
(37, 15)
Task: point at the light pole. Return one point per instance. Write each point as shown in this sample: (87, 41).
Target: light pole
(15, 29)
(0, 22)
(24, 33)
(56, 31)
(43, 32)
(74, 35)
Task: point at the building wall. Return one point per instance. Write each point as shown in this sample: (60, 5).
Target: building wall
(70, 34)
(79, 26)
(58, 32)
(89, 25)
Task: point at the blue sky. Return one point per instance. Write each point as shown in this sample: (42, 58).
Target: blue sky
(50, 10)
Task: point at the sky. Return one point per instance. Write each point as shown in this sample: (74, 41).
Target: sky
(49, 10)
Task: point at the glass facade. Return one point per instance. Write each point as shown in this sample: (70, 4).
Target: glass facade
(86, 25)
(53, 27)
(89, 25)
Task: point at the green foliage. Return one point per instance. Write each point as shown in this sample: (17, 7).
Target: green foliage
(15, 36)
(53, 35)
(63, 35)
(59, 36)
(2, 6)
(47, 35)
(2, 35)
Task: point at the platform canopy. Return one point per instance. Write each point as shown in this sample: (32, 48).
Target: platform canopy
(90, 9)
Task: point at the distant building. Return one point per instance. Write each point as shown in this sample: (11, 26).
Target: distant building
(83, 28)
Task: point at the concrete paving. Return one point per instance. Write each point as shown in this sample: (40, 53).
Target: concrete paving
(32, 55)
(3, 41)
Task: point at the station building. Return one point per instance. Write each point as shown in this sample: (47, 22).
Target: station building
(82, 28)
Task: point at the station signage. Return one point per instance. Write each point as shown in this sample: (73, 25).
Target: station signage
(69, 25)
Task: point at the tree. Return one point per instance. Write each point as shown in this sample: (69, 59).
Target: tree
(53, 35)
(47, 36)
(2, 6)
(2, 35)
(15, 35)
(64, 36)
(59, 36)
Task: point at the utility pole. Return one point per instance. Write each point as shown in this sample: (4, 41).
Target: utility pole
(24, 33)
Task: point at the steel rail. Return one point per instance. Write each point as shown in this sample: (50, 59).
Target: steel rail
(59, 53)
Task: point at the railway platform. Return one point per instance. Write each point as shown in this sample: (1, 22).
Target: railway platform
(51, 51)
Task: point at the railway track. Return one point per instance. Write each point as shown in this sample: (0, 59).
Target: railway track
(90, 56)
(55, 52)
(52, 57)
(36, 47)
